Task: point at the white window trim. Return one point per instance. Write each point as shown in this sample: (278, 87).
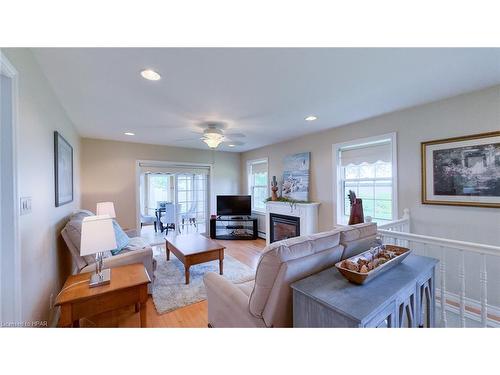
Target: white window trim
(337, 172)
(249, 188)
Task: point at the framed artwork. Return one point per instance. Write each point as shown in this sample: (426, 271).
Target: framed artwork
(63, 170)
(462, 171)
(296, 176)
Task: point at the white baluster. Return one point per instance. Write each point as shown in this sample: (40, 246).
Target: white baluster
(442, 269)
(461, 277)
(484, 291)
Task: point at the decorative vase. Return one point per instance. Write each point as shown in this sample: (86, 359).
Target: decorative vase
(356, 216)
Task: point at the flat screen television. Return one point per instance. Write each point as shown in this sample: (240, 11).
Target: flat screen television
(234, 205)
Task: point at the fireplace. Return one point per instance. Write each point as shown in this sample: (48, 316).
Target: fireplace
(283, 227)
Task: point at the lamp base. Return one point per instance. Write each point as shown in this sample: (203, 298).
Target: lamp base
(102, 279)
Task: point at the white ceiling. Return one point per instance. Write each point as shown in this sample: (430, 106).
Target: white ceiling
(264, 93)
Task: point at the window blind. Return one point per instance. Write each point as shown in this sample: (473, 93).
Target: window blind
(173, 169)
(259, 167)
(366, 154)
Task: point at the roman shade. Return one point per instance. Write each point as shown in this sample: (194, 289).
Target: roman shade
(370, 154)
(259, 167)
(173, 169)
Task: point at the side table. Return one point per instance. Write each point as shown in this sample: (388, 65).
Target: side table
(128, 286)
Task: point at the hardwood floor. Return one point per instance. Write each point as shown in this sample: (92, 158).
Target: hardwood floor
(193, 316)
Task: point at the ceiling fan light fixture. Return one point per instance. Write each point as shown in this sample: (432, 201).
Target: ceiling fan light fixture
(212, 142)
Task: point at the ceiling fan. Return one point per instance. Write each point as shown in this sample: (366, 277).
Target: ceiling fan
(214, 135)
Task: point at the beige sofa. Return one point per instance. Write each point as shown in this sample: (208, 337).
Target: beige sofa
(137, 251)
(266, 300)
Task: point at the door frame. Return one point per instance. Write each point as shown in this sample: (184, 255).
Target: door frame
(159, 163)
(7, 69)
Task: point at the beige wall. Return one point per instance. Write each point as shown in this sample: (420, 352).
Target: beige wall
(109, 172)
(466, 114)
(45, 261)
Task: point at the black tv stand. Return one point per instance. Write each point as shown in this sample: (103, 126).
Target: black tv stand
(233, 228)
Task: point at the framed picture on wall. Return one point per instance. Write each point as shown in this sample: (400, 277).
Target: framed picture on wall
(462, 171)
(296, 176)
(63, 170)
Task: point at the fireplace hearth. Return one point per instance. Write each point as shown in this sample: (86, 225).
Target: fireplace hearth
(283, 227)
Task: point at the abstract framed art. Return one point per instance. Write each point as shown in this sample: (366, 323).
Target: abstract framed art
(63, 170)
(462, 171)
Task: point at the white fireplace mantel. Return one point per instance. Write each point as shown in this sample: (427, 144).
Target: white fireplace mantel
(307, 212)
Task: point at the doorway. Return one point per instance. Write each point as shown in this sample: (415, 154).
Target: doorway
(10, 259)
(174, 197)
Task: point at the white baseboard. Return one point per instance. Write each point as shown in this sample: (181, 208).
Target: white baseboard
(470, 302)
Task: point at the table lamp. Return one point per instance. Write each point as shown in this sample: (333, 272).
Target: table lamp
(98, 236)
(106, 208)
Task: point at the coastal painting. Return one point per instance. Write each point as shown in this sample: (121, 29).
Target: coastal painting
(462, 171)
(296, 176)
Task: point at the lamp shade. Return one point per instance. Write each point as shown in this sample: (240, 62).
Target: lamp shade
(106, 208)
(97, 235)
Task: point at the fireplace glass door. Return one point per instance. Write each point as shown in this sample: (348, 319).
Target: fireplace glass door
(283, 227)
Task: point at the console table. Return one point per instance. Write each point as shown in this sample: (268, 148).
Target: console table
(233, 228)
(403, 296)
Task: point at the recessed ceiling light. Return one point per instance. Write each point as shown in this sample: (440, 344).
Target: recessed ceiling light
(311, 118)
(150, 75)
(231, 145)
(129, 133)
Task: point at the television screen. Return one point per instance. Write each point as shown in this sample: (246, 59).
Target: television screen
(231, 205)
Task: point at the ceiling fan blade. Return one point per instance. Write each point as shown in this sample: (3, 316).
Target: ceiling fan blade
(235, 143)
(186, 139)
(235, 135)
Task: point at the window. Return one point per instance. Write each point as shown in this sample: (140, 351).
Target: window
(159, 190)
(367, 167)
(258, 183)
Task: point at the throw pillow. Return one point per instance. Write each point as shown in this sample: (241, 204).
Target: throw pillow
(122, 239)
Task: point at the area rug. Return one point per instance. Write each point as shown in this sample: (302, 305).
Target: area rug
(169, 289)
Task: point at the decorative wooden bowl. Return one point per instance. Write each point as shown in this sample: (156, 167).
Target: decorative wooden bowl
(362, 278)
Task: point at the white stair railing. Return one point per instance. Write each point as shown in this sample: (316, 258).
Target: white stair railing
(397, 232)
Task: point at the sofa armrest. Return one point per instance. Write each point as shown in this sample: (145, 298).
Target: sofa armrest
(144, 256)
(227, 304)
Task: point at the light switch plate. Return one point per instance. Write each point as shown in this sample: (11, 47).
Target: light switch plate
(25, 205)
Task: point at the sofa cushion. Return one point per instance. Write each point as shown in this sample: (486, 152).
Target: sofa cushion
(357, 231)
(358, 238)
(74, 233)
(246, 287)
(280, 252)
(136, 243)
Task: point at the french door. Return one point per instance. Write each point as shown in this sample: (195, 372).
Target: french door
(191, 198)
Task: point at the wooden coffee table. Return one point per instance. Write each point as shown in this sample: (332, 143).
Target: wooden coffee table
(193, 249)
